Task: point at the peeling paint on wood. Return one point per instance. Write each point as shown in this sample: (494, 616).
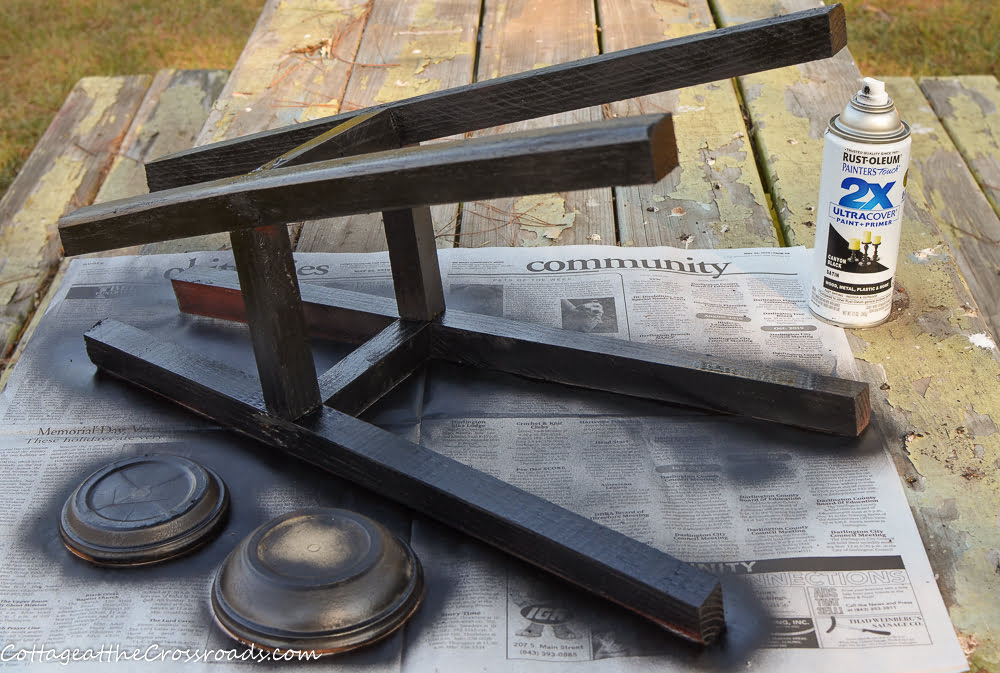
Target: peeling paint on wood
(789, 110)
(294, 67)
(521, 35)
(931, 382)
(947, 189)
(969, 108)
(299, 57)
(428, 46)
(168, 120)
(714, 198)
(63, 173)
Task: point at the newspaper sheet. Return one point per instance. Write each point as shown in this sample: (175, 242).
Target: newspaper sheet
(821, 564)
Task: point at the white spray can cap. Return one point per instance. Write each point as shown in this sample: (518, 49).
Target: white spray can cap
(873, 92)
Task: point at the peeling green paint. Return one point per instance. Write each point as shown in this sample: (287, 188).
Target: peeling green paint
(267, 86)
(969, 107)
(679, 20)
(32, 229)
(544, 216)
(436, 41)
(788, 136)
(102, 92)
(179, 106)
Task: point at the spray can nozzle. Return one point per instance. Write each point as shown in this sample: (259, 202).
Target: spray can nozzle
(873, 92)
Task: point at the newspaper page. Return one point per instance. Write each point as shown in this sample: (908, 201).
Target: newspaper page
(820, 561)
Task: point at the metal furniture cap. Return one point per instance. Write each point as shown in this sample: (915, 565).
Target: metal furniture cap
(143, 510)
(320, 579)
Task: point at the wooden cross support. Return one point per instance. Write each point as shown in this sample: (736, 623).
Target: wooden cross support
(363, 162)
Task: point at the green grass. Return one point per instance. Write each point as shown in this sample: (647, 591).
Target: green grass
(45, 47)
(924, 37)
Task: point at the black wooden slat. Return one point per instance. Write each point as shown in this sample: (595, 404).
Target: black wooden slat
(416, 275)
(801, 399)
(277, 325)
(376, 367)
(672, 64)
(613, 152)
(675, 595)
(355, 318)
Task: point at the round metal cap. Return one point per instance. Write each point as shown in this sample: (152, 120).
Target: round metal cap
(143, 510)
(870, 117)
(319, 579)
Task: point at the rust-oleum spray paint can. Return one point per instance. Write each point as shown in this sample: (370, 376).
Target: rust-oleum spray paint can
(866, 155)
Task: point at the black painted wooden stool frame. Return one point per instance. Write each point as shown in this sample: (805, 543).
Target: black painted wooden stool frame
(359, 162)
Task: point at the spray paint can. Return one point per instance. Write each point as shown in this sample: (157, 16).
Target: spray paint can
(866, 155)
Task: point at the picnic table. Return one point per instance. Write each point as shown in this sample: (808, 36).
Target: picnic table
(749, 153)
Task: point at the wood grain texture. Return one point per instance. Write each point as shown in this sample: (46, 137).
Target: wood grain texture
(294, 68)
(695, 59)
(277, 325)
(966, 220)
(932, 369)
(817, 402)
(376, 367)
(789, 109)
(169, 117)
(969, 108)
(416, 275)
(624, 150)
(521, 36)
(409, 48)
(836, 406)
(714, 198)
(168, 120)
(62, 174)
(679, 597)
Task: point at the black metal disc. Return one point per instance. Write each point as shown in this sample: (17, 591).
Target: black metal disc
(143, 510)
(320, 579)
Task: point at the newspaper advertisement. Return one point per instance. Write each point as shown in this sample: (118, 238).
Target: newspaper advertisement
(821, 563)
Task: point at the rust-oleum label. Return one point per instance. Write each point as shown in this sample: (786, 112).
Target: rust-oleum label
(857, 230)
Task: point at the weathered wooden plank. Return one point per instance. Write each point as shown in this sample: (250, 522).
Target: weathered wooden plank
(963, 213)
(169, 119)
(695, 59)
(294, 68)
(823, 403)
(623, 150)
(714, 198)
(408, 49)
(521, 36)
(969, 108)
(376, 367)
(62, 174)
(679, 597)
(789, 110)
(939, 400)
(277, 325)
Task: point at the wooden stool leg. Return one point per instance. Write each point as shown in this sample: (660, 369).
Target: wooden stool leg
(277, 323)
(416, 275)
